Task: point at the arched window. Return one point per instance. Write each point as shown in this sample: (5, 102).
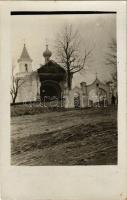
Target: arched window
(26, 67)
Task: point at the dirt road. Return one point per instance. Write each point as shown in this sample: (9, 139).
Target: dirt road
(76, 137)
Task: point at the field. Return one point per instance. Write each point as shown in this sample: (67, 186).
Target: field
(68, 137)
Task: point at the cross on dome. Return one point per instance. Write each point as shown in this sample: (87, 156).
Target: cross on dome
(46, 41)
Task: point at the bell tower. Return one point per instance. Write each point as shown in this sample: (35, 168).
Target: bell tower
(25, 62)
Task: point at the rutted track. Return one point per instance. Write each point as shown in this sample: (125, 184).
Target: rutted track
(93, 143)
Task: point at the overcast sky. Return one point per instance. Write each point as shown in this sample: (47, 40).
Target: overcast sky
(95, 30)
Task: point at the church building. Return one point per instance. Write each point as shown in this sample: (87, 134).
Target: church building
(46, 83)
(49, 83)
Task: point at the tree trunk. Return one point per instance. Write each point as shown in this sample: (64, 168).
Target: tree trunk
(15, 96)
(13, 102)
(69, 79)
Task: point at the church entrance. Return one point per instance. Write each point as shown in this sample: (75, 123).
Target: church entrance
(50, 91)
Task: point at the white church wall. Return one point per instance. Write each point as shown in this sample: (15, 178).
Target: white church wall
(28, 90)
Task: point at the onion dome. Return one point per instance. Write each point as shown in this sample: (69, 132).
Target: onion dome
(47, 53)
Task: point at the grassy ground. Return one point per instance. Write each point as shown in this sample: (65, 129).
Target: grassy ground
(33, 108)
(73, 137)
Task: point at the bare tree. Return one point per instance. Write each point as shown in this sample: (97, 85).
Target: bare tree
(68, 51)
(111, 58)
(15, 85)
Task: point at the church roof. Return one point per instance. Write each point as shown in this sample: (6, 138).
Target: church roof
(51, 67)
(24, 55)
(52, 71)
(96, 81)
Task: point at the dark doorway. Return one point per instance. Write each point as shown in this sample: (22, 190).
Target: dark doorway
(50, 91)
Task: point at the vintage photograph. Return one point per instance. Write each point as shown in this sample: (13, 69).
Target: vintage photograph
(63, 89)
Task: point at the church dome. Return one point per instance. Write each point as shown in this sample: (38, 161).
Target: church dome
(47, 52)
